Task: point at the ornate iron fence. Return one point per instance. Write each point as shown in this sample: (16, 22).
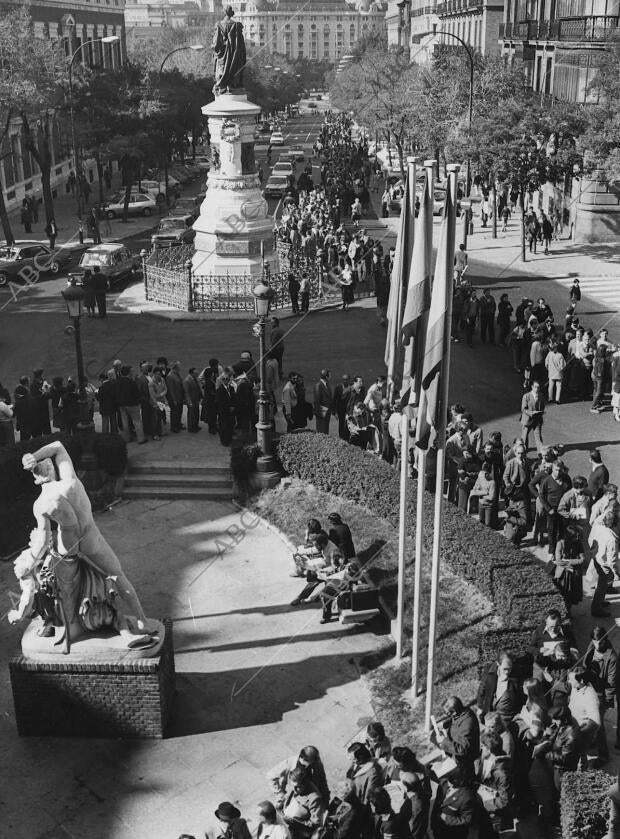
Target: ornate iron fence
(169, 280)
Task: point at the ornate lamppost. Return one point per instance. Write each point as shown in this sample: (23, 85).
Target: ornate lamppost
(265, 465)
(73, 297)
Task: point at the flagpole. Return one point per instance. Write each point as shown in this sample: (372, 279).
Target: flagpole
(404, 463)
(421, 453)
(402, 533)
(419, 542)
(448, 257)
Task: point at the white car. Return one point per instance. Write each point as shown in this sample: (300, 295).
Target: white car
(155, 188)
(297, 153)
(283, 168)
(277, 139)
(140, 204)
(276, 186)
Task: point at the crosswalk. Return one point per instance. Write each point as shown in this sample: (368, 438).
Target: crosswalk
(604, 290)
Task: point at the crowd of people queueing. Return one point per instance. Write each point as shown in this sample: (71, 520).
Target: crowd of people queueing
(143, 403)
(313, 221)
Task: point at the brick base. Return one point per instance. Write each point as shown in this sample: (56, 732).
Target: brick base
(103, 699)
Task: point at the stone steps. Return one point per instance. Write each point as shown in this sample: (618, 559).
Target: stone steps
(178, 480)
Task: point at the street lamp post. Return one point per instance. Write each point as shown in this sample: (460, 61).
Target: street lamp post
(195, 48)
(265, 465)
(106, 39)
(73, 297)
(470, 55)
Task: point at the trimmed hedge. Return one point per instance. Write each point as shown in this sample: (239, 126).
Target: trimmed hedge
(517, 585)
(584, 804)
(18, 491)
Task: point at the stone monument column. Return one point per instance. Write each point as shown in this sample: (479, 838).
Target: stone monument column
(233, 228)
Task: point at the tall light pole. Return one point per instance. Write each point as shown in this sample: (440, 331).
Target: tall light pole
(265, 465)
(470, 55)
(195, 48)
(106, 39)
(73, 297)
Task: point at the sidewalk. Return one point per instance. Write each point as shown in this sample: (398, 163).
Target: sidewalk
(65, 213)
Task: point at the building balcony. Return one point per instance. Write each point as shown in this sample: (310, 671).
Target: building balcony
(578, 29)
(456, 7)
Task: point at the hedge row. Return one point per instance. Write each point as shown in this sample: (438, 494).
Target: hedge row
(517, 585)
(18, 491)
(585, 804)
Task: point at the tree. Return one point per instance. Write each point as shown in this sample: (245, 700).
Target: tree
(381, 90)
(600, 143)
(30, 72)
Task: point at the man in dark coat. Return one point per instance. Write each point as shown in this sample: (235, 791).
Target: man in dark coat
(39, 391)
(598, 477)
(340, 406)
(176, 394)
(245, 409)
(24, 409)
(462, 735)
(225, 405)
(193, 394)
(100, 285)
(500, 691)
(108, 404)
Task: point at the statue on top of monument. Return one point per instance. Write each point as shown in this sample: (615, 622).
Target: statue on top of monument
(229, 54)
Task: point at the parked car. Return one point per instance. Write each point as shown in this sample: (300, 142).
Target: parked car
(277, 139)
(283, 167)
(140, 204)
(155, 188)
(114, 259)
(174, 230)
(202, 162)
(186, 207)
(297, 153)
(24, 260)
(276, 186)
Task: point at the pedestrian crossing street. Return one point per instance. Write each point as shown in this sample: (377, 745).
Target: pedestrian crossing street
(604, 290)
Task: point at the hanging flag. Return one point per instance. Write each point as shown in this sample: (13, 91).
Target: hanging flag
(394, 349)
(437, 332)
(418, 296)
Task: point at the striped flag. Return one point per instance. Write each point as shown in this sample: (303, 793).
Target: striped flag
(418, 296)
(394, 348)
(437, 333)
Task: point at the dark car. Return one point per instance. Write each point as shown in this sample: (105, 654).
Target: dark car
(26, 260)
(186, 207)
(174, 230)
(114, 259)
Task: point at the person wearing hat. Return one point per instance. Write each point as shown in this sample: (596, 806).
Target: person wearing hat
(231, 825)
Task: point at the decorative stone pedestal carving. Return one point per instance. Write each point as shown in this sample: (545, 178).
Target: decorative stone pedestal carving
(233, 231)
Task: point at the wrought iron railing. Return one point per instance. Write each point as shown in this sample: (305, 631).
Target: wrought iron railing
(597, 28)
(169, 280)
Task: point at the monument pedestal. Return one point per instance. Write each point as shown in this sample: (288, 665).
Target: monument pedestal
(118, 696)
(234, 234)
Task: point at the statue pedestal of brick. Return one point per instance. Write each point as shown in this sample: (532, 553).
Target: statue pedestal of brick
(86, 694)
(234, 234)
